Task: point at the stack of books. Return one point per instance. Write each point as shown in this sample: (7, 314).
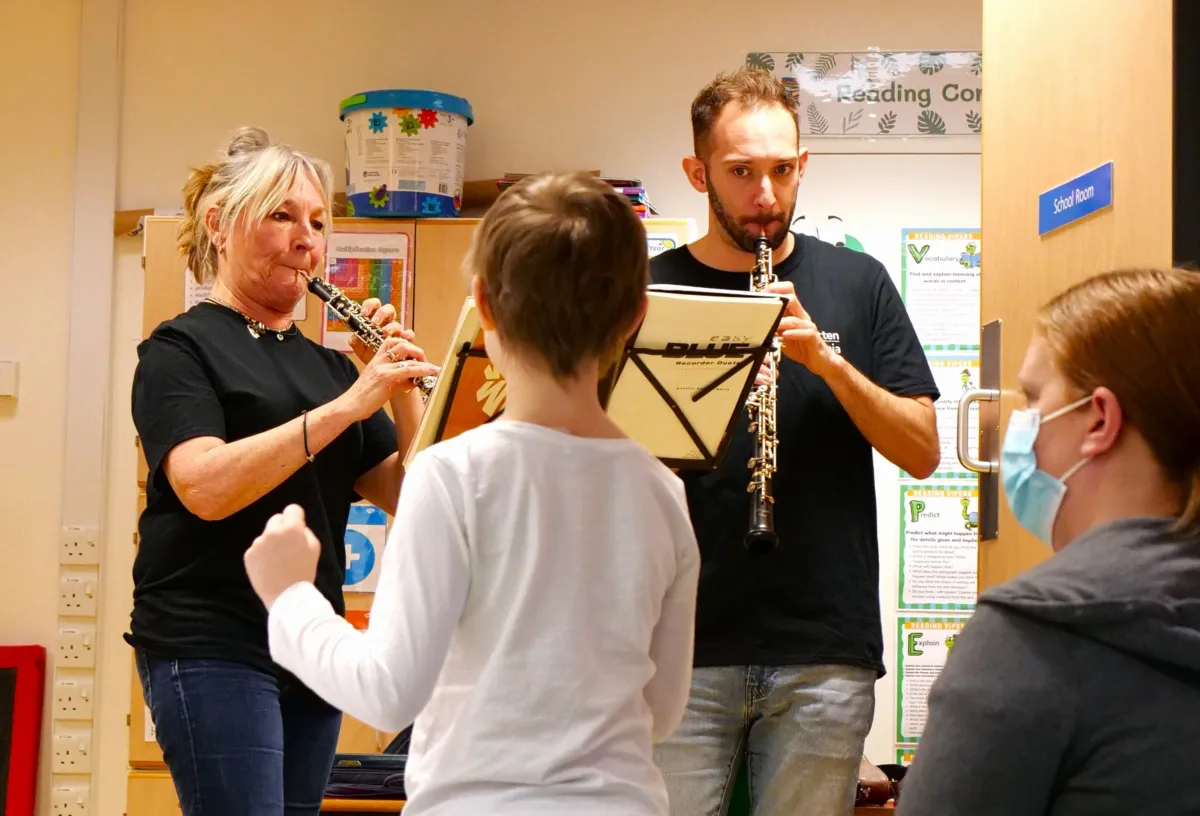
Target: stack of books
(631, 188)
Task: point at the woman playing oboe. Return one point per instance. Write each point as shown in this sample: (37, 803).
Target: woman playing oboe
(240, 415)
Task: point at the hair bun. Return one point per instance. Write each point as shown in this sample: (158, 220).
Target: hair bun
(247, 140)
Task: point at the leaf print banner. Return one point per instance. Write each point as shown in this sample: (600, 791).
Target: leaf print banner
(877, 94)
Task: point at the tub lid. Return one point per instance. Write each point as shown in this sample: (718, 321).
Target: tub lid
(407, 98)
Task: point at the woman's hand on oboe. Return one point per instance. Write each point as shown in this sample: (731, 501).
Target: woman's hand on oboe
(383, 316)
(393, 370)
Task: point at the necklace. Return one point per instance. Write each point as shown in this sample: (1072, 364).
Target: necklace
(256, 327)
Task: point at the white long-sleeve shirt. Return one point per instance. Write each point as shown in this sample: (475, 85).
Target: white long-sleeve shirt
(534, 614)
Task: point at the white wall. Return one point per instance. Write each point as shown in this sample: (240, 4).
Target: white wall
(39, 63)
(554, 85)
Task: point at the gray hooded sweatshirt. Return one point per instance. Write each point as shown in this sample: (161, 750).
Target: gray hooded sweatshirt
(1074, 689)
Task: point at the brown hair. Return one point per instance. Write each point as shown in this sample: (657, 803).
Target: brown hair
(748, 87)
(253, 178)
(1133, 331)
(564, 266)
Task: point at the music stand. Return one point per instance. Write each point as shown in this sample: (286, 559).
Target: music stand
(677, 389)
(685, 374)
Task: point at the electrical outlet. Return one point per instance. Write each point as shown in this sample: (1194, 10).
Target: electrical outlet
(79, 545)
(76, 645)
(73, 698)
(77, 594)
(72, 751)
(71, 800)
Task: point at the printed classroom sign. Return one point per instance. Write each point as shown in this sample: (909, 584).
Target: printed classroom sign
(955, 373)
(367, 265)
(366, 537)
(880, 95)
(1076, 199)
(939, 283)
(939, 541)
(922, 646)
(657, 244)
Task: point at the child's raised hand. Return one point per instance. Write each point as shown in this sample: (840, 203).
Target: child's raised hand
(286, 553)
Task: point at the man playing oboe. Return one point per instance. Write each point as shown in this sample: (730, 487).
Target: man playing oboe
(789, 643)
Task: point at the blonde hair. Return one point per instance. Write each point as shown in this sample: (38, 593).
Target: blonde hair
(252, 179)
(1133, 331)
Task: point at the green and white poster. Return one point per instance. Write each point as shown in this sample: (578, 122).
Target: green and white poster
(938, 547)
(955, 373)
(922, 647)
(939, 282)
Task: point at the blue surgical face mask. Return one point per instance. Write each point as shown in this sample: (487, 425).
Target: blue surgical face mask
(1033, 494)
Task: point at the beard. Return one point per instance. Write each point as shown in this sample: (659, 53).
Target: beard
(737, 229)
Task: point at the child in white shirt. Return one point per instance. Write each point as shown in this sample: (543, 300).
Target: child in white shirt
(535, 606)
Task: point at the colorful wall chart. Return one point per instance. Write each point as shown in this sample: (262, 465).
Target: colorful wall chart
(923, 644)
(939, 282)
(939, 517)
(955, 373)
(938, 546)
(367, 265)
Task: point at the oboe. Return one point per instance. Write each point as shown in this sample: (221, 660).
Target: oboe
(761, 406)
(351, 314)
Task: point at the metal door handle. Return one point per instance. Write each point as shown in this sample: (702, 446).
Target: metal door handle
(964, 407)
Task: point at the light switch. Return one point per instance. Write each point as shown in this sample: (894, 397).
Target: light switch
(8, 378)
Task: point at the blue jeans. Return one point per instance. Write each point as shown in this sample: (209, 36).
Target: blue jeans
(800, 729)
(235, 744)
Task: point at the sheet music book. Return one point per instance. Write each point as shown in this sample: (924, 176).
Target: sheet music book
(682, 380)
(687, 371)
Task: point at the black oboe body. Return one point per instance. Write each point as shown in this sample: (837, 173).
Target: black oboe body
(761, 537)
(351, 314)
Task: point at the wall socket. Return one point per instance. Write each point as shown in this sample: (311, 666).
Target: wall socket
(71, 800)
(72, 751)
(79, 545)
(77, 594)
(73, 698)
(76, 645)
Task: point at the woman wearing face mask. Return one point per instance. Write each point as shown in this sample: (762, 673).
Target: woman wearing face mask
(240, 415)
(1075, 688)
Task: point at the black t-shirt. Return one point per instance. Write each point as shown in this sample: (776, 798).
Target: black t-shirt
(203, 374)
(815, 599)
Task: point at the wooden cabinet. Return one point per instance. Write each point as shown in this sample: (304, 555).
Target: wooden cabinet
(442, 284)
(151, 794)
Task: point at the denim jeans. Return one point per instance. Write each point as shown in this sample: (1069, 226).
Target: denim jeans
(235, 744)
(800, 729)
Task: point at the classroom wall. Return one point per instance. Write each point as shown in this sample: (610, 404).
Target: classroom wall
(39, 44)
(554, 86)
